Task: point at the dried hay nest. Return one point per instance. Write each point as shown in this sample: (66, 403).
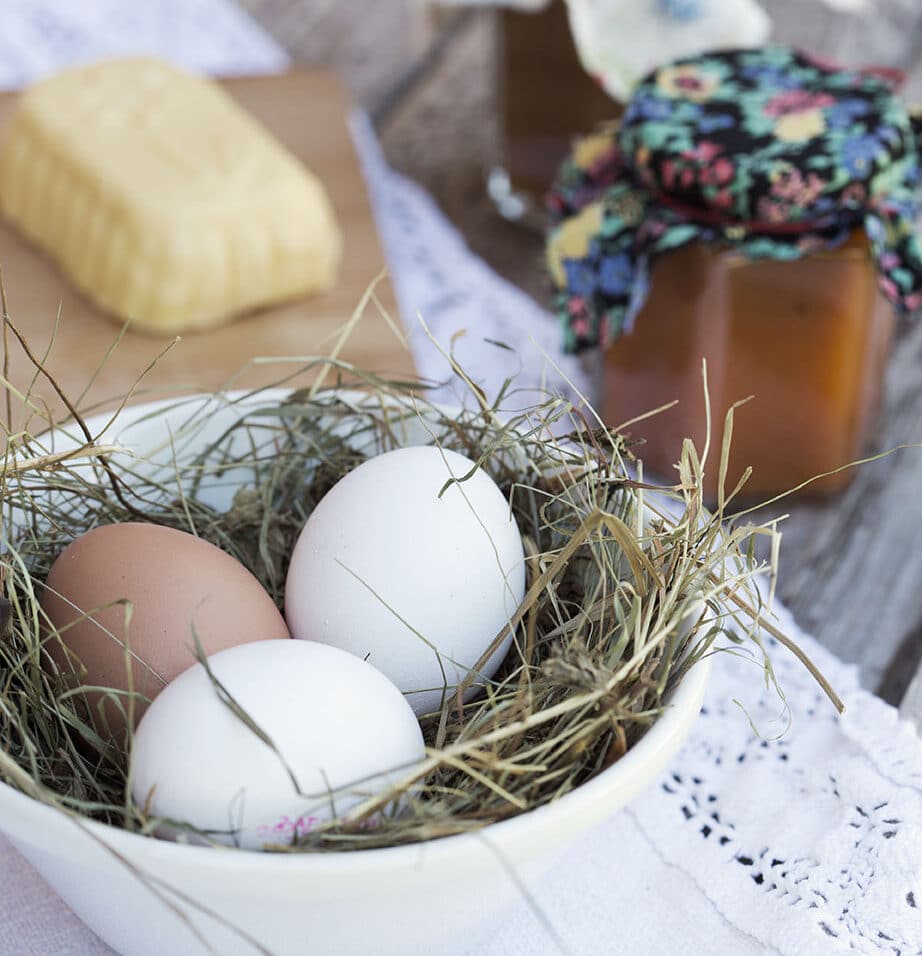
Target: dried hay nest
(628, 587)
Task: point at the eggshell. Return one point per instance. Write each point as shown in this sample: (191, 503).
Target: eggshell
(335, 722)
(416, 583)
(174, 581)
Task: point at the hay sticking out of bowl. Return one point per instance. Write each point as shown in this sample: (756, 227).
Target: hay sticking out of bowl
(627, 588)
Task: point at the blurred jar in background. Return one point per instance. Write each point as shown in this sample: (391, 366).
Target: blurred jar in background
(754, 208)
(546, 99)
(808, 339)
(552, 89)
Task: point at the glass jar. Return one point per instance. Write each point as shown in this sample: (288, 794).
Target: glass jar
(808, 339)
(546, 98)
(770, 199)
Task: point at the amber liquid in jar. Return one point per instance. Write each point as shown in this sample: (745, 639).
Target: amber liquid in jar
(808, 339)
(546, 98)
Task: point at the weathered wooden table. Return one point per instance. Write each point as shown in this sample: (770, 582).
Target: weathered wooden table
(851, 569)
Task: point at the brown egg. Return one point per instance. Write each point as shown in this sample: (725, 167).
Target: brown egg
(174, 581)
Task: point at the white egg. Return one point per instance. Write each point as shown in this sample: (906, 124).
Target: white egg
(416, 583)
(340, 731)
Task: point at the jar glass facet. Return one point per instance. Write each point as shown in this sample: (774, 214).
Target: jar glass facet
(808, 339)
(546, 97)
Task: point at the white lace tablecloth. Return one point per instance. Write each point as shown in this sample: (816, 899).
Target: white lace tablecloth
(802, 843)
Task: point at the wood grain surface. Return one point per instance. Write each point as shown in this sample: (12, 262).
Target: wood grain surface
(307, 110)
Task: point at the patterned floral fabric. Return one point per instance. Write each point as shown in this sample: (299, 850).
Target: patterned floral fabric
(770, 151)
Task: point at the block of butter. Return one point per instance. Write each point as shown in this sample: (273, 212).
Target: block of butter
(162, 199)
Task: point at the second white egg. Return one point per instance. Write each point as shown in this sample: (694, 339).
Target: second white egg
(323, 731)
(417, 582)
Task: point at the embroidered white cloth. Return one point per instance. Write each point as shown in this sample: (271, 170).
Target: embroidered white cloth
(619, 41)
(438, 279)
(211, 36)
(803, 844)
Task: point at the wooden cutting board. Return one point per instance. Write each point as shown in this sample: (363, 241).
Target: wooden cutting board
(307, 111)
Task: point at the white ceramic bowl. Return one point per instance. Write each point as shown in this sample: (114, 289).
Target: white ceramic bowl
(147, 897)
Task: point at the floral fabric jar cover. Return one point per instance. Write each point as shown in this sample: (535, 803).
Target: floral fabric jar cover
(771, 151)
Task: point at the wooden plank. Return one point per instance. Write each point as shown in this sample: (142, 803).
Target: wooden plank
(306, 110)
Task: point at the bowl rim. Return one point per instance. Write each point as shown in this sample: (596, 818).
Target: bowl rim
(663, 736)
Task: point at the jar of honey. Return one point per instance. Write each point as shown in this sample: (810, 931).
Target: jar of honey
(753, 209)
(805, 342)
